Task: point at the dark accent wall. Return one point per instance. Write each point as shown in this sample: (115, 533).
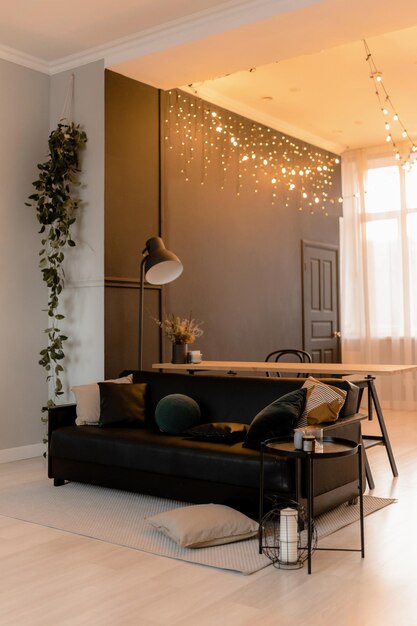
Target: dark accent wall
(132, 215)
(241, 254)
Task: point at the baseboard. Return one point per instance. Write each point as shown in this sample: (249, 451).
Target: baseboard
(23, 452)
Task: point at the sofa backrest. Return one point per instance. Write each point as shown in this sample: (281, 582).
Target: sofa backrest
(230, 398)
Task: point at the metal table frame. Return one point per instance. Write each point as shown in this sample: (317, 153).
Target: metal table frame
(276, 447)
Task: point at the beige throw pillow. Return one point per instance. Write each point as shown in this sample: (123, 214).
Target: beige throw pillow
(87, 398)
(323, 402)
(204, 525)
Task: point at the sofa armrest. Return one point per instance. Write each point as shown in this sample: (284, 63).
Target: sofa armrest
(341, 422)
(61, 415)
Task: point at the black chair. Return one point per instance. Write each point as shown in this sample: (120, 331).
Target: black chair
(301, 355)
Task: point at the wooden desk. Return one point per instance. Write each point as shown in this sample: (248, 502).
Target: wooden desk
(366, 370)
(340, 369)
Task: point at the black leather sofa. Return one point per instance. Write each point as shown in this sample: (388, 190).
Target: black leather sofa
(148, 461)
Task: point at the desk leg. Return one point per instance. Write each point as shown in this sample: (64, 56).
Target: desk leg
(385, 438)
(310, 508)
(361, 501)
(368, 472)
(261, 499)
(370, 407)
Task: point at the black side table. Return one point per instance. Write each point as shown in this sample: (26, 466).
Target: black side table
(332, 448)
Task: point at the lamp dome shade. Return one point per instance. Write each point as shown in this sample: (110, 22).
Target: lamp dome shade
(161, 265)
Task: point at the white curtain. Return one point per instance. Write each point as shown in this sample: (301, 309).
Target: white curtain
(379, 269)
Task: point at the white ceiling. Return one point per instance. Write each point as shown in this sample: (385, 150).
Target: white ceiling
(308, 54)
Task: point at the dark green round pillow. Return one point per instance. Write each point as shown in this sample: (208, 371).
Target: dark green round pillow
(176, 413)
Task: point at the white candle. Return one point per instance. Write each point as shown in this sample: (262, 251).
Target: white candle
(288, 535)
(298, 439)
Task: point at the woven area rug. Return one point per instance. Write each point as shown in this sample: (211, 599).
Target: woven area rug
(119, 517)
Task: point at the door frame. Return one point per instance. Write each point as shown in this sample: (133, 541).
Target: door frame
(323, 246)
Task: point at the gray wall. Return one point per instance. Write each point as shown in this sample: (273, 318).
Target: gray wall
(31, 104)
(24, 123)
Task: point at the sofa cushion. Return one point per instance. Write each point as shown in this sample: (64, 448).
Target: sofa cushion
(176, 413)
(277, 419)
(122, 404)
(149, 450)
(87, 398)
(222, 432)
(204, 525)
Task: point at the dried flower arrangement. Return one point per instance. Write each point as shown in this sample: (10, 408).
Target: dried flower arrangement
(180, 330)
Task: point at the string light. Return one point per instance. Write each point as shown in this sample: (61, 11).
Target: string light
(293, 170)
(386, 105)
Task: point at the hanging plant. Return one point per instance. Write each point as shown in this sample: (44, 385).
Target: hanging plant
(56, 207)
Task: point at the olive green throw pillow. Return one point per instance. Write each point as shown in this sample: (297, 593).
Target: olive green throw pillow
(218, 432)
(176, 413)
(122, 405)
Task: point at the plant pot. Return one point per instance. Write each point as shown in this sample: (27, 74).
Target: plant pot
(179, 353)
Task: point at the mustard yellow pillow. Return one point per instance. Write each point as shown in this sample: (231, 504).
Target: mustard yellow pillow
(324, 402)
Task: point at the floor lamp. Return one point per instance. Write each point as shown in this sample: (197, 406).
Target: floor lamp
(159, 266)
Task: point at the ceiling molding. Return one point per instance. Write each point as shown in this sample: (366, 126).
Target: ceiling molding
(267, 120)
(21, 58)
(227, 16)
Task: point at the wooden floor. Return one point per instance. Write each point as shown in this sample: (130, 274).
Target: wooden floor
(56, 578)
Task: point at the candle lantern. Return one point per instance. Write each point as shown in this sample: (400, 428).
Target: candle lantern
(284, 531)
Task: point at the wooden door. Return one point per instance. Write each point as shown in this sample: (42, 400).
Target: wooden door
(321, 329)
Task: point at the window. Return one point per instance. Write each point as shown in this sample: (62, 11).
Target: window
(383, 190)
(390, 232)
(379, 268)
